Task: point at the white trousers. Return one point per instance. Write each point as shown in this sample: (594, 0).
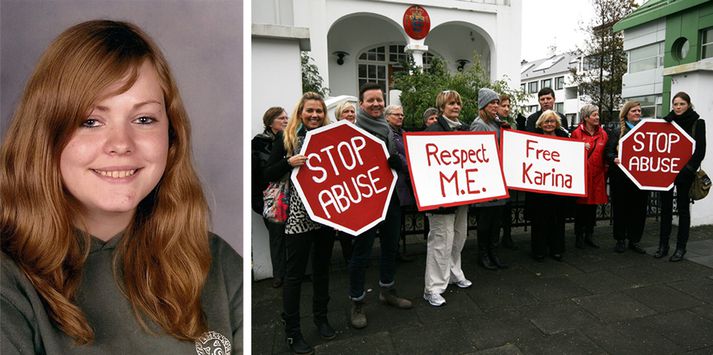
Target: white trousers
(446, 239)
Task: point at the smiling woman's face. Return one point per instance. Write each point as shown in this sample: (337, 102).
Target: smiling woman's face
(312, 114)
(118, 154)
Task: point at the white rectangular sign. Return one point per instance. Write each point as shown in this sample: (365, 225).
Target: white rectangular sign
(538, 163)
(454, 168)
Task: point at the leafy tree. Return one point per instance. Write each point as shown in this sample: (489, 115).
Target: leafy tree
(419, 89)
(311, 80)
(604, 60)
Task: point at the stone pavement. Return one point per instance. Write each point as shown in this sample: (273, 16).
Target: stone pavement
(594, 302)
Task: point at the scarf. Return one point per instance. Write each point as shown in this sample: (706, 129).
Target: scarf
(631, 125)
(378, 127)
(454, 125)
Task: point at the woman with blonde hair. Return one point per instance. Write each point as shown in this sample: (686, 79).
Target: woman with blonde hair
(627, 200)
(104, 225)
(302, 234)
(548, 211)
(448, 225)
(345, 111)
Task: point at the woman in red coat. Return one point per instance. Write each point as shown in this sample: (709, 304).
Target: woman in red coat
(595, 139)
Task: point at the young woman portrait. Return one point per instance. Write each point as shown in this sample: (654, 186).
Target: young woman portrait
(103, 220)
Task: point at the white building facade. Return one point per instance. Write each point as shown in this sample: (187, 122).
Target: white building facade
(553, 72)
(354, 41)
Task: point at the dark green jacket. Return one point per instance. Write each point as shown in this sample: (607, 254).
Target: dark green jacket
(27, 328)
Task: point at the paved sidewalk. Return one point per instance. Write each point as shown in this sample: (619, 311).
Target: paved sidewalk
(594, 302)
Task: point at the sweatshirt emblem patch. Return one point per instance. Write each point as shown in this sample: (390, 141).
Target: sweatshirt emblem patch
(212, 343)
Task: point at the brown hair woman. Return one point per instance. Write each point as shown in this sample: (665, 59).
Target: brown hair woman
(104, 226)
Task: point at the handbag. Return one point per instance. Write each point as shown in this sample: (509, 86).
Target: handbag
(701, 182)
(276, 197)
(701, 185)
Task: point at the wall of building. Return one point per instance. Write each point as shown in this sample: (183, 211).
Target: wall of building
(206, 58)
(277, 81)
(277, 77)
(494, 21)
(648, 82)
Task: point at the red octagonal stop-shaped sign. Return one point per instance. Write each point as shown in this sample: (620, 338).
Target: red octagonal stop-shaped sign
(654, 152)
(346, 182)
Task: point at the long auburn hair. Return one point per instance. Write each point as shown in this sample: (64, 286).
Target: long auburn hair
(162, 262)
(290, 132)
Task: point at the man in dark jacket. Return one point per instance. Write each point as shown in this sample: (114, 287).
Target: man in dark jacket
(370, 117)
(546, 97)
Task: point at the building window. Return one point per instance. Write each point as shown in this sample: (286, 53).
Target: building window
(681, 48)
(649, 106)
(646, 58)
(378, 64)
(522, 87)
(590, 63)
(532, 87)
(707, 43)
(547, 83)
(533, 108)
(559, 107)
(559, 83)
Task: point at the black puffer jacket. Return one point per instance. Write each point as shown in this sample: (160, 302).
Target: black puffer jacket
(686, 120)
(261, 145)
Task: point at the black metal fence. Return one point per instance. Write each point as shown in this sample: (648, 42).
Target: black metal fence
(415, 222)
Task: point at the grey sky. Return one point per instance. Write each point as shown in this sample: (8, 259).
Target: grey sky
(554, 22)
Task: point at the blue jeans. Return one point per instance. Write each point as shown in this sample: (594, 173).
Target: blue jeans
(389, 234)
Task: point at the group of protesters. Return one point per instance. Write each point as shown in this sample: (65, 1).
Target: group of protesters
(276, 152)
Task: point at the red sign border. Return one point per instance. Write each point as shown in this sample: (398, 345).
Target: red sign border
(637, 127)
(549, 192)
(408, 29)
(459, 203)
(327, 222)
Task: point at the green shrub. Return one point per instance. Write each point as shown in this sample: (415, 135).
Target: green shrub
(420, 88)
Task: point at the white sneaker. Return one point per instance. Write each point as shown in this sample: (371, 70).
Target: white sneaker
(465, 283)
(434, 299)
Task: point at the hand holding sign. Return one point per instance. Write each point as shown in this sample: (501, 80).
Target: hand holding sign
(454, 168)
(654, 152)
(536, 163)
(345, 181)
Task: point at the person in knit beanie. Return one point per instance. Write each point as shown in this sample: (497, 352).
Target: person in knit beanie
(486, 96)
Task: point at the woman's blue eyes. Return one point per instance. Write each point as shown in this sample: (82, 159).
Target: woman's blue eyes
(145, 120)
(90, 123)
(93, 122)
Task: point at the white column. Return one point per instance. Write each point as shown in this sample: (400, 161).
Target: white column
(416, 50)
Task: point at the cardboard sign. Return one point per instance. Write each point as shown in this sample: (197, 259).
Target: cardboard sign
(346, 182)
(654, 152)
(545, 164)
(454, 168)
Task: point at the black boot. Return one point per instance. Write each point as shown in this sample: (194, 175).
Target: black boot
(677, 255)
(663, 248)
(293, 335)
(486, 263)
(298, 345)
(589, 240)
(496, 261)
(325, 329)
(320, 320)
(620, 246)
